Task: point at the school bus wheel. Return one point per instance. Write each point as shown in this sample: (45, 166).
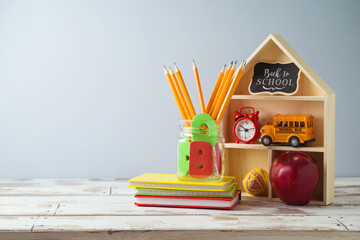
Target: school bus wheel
(294, 141)
(266, 140)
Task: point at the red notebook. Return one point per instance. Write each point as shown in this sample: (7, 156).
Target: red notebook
(190, 202)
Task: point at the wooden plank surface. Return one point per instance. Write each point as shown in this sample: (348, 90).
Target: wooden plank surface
(242, 209)
(182, 234)
(17, 223)
(64, 208)
(53, 191)
(148, 222)
(352, 223)
(24, 209)
(38, 182)
(122, 205)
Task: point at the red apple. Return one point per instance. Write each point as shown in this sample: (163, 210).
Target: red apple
(294, 177)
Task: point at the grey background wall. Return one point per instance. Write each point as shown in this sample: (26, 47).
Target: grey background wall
(82, 91)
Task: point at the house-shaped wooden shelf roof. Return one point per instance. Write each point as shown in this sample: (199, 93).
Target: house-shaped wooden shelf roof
(313, 96)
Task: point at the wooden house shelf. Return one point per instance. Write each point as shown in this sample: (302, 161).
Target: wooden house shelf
(313, 96)
(291, 98)
(259, 146)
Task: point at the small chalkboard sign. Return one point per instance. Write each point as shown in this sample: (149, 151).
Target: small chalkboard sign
(275, 78)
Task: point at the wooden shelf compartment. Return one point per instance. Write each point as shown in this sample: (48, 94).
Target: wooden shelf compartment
(239, 162)
(259, 146)
(318, 196)
(268, 108)
(267, 97)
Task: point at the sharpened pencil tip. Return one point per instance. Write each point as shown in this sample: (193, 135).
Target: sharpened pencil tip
(194, 65)
(235, 62)
(242, 65)
(231, 62)
(176, 68)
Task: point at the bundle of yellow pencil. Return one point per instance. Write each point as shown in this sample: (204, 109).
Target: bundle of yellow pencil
(224, 89)
(180, 93)
(176, 94)
(214, 91)
(231, 90)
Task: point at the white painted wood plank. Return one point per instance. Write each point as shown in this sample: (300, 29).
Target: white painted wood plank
(184, 235)
(346, 201)
(46, 182)
(341, 200)
(123, 190)
(243, 208)
(27, 209)
(347, 181)
(351, 222)
(224, 223)
(53, 191)
(347, 191)
(122, 205)
(16, 223)
(93, 199)
(114, 205)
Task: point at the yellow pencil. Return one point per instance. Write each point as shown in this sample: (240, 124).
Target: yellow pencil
(215, 89)
(230, 93)
(198, 86)
(180, 94)
(185, 92)
(220, 89)
(223, 92)
(177, 99)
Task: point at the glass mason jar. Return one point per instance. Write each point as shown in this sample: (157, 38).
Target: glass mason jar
(201, 154)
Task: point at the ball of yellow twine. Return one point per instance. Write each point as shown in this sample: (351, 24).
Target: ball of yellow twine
(256, 182)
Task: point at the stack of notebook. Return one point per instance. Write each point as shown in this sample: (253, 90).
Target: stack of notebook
(166, 190)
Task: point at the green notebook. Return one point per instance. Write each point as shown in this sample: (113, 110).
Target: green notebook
(229, 193)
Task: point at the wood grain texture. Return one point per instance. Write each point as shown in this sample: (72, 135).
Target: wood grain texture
(182, 234)
(220, 223)
(24, 209)
(53, 191)
(17, 223)
(89, 215)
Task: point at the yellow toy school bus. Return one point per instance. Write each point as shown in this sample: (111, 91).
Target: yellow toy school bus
(292, 129)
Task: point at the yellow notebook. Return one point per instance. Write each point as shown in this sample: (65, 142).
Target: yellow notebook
(170, 181)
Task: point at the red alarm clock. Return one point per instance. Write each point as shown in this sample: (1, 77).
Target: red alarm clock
(246, 128)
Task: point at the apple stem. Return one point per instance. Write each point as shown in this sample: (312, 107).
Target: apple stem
(289, 156)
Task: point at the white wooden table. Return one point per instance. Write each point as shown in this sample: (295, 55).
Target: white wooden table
(104, 209)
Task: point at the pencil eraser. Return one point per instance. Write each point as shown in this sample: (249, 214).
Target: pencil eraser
(200, 164)
(183, 157)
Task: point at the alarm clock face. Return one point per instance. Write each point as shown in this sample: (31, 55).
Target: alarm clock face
(245, 130)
